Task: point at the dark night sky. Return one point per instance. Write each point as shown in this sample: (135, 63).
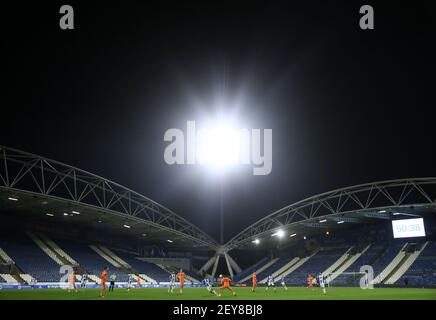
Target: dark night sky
(346, 106)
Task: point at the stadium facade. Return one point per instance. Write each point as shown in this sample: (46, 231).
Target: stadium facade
(55, 215)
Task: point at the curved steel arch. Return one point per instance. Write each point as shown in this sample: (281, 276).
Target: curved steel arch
(364, 197)
(22, 171)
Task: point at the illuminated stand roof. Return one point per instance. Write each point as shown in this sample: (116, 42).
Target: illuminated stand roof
(26, 177)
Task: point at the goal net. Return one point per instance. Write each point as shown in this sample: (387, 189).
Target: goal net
(347, 279)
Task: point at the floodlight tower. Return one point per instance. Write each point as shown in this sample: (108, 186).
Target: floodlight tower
(219, 151)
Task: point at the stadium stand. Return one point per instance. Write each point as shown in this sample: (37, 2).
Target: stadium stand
(7, 278)
(262, 276)
(114, 257)
(4, 258)
(29, 258)
(422, 271)
(262, 269)
(367, 258)
(189, 276)
(316, 264)
(36, 258)
(351, 256)
(412, 252)
(389, 252)
(46, 249)
(142, 267)
(105, 256)
(298, 263)
(27, 278)
(89, 260)
(396, 255)
(61, 254)
(245, 275)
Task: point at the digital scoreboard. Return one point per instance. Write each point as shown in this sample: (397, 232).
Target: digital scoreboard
(408, 228)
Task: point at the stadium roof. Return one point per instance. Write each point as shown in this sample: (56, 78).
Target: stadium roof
(46, 190)
(384, 200)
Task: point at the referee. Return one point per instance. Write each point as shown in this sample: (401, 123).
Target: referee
(112, 280)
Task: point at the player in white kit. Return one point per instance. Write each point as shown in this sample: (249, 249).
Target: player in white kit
(209, 287)
(129, 282)
(321, 282)
(83, 281)
(270, 283)
(283, 283)
(172, 283)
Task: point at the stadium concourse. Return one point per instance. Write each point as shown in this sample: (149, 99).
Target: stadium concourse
(53, 215)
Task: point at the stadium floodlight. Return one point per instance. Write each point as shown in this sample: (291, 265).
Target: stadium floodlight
(327, 233)
(323, 220)
(49, 214)
(66, 214)
(12, 199)
(382, 211)
(293, 235)
(218, 146)
(99, 221)
(126, 226)
(170, 241)
(404, 214)
(256, 241)
(144, 234)
(75, 212)
(279, 234)
(341, 222)
(304, 237)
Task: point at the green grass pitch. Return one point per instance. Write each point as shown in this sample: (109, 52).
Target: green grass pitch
(243, 293)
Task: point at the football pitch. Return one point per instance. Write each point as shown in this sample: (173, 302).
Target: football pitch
(242, 294)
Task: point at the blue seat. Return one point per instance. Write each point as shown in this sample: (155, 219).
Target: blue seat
(30, 258)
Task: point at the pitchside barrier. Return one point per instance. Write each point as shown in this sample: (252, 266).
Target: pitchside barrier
(57, 285)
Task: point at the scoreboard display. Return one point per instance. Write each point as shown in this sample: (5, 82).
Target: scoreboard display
(408, 228)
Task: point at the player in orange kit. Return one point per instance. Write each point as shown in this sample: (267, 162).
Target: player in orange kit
(181, 277)
(138, 282)
(225, 284)
(103, 279)
(72, 282)
(254, 282)
(310, 281)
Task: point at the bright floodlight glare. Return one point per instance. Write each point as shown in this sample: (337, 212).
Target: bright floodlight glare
(256, 241)
(293, 235)
(49, 214)
(126, 226)
(12, 199)
(75, 212)
(219, 145)
(323, 220)
(341, 222)
(170, 241)
(279, 234)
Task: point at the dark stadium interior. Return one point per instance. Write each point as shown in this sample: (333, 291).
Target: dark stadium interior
(101, 97)
(323, 244)
(84, 184)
